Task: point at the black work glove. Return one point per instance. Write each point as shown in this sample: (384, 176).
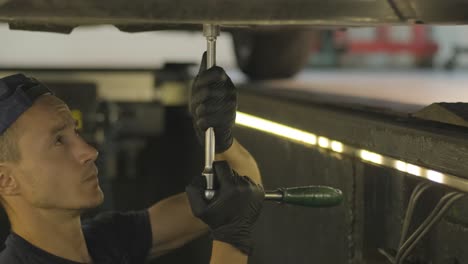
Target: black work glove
(233, 210)
(213, 103)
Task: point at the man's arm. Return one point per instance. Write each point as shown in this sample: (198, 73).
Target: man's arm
(173, 224)
(224, 253)
(240, 160)
(172, 221)
(213, 103)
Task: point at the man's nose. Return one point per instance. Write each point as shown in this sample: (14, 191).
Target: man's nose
(88, 153)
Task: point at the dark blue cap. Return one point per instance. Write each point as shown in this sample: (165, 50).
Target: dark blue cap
(17, 94)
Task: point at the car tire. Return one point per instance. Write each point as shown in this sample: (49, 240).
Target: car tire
(273, 54)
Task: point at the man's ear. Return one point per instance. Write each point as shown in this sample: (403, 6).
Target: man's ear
(8, 184)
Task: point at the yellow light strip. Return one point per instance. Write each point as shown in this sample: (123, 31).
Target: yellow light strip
(371, 156)
(310, 139)
(275, 128)
(435, 176)
(323, 142)
(337, 146)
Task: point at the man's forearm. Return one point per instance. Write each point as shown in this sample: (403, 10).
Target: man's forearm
(223, 253)
(173, 224)
(241, 161)
(172, 220)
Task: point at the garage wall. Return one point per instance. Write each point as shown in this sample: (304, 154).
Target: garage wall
(106, 47)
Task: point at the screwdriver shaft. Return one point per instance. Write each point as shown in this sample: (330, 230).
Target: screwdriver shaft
(211, 32)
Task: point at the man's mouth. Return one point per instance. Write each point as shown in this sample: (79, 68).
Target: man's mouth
(92, 175)
(90, 178)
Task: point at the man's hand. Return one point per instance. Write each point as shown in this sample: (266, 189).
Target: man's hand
(213, 103)
(233, 211)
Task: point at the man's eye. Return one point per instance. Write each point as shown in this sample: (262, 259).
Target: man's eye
(59, 140)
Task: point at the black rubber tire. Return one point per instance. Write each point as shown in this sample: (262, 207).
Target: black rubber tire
(273, 54)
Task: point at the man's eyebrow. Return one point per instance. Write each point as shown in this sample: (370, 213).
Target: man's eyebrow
(63, 125)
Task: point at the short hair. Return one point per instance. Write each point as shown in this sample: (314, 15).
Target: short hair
(9, 149)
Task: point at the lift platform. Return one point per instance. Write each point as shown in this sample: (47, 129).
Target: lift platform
(378, 137)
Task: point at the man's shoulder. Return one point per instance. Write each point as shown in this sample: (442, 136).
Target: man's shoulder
(115, 219)
(119, 235)
(9, 256)
(114, 226)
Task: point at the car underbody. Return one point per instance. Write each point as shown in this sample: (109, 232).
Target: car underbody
(144, 15)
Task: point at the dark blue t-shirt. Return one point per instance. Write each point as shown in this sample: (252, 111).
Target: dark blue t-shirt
(111, 238)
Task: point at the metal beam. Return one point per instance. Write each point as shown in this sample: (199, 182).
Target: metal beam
(425, 143)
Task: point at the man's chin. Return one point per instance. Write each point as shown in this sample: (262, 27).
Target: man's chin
(95, 202)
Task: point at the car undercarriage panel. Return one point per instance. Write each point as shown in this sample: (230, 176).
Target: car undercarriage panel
(144, 15)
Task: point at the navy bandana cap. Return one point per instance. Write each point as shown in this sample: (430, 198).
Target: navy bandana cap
(17, 94)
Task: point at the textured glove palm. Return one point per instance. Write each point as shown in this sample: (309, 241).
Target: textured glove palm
(213, 103)
(233, 211)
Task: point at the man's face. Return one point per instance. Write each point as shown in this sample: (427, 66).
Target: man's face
(56, 169)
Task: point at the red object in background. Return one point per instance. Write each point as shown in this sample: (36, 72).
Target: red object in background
(420, 45)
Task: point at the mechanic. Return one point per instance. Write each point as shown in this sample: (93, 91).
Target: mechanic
(48, 177)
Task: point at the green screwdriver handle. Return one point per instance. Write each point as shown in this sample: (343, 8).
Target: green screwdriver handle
(310, 196)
